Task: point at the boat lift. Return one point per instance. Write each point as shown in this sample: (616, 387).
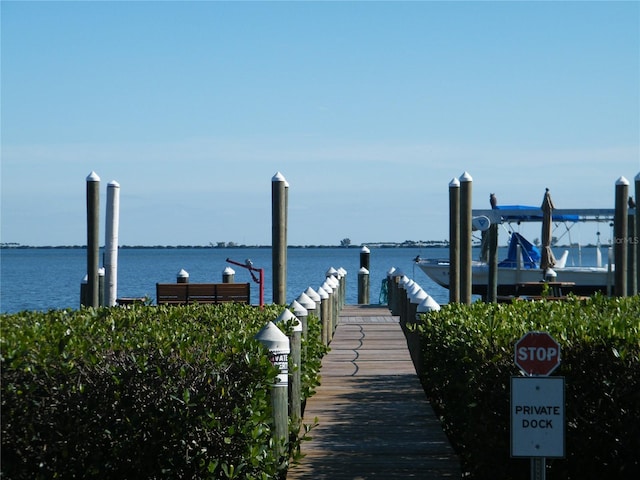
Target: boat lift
(248, 264)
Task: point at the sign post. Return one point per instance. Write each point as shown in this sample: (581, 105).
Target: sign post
(537, 402)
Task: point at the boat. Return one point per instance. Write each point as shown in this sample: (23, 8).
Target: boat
(522, 264)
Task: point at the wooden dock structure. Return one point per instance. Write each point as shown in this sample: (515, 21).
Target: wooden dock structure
(375, 421)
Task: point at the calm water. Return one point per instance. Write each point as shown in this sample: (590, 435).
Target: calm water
(43, 279)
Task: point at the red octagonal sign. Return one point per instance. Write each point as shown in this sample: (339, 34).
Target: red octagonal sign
(537, 353)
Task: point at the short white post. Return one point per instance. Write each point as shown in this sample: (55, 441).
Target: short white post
(295, 365)
(363, 286)
(182, 276)
(228, 275)
(277, 343)
(325, 306)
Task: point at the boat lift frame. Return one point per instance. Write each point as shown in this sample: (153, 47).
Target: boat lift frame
(260, 280)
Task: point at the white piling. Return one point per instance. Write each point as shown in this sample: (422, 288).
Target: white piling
(111, 243)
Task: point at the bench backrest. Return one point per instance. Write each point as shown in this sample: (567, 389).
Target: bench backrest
(186, 293)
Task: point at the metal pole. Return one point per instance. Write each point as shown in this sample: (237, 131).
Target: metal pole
(620, 237)
(538, 468)
(492, 288)
(93, 242)
(454, 241)
(466, 256)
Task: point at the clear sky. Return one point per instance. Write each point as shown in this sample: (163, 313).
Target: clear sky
(369, 109)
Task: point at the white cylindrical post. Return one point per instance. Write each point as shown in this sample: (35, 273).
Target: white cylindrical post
(325, 313)
(228, 275)
(363, 286)
(93, 242)
(182, 276)
(309, 305)
(301, 314)
(277, 343)
(295, 365)
(111, 243)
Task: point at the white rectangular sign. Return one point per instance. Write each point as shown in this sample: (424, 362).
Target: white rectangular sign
(537, 417)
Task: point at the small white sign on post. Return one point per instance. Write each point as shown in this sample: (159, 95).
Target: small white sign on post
(537, 417)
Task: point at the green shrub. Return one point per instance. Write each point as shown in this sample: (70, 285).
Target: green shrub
(145, 392)
(468, 359)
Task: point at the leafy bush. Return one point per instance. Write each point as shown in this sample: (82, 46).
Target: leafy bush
(145, 392)
(467, 357)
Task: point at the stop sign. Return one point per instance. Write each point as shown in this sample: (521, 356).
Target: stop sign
(537, 353)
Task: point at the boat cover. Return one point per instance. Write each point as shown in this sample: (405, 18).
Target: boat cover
(530, 253)
(528, 217)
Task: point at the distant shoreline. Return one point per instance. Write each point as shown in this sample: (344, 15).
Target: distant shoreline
(5, 246)
(407, 244)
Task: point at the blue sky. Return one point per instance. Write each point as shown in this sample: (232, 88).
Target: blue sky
(369, 109)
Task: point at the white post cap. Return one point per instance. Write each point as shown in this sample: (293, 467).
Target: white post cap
(428, 305)
(312, 294)
(305, 301)
(183, 273)
(299, 310)
(465, 177)
(272, 337)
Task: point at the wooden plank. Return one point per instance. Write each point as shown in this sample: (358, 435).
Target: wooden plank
(171, 293)
(374, 418)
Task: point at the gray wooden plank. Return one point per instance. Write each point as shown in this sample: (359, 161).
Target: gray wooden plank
(374, 418)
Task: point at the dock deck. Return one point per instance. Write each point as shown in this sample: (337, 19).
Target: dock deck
(374, 418)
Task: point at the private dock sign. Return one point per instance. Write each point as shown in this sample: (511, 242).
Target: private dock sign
(537, 417)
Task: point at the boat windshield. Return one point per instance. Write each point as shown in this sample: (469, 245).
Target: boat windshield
(530, 253)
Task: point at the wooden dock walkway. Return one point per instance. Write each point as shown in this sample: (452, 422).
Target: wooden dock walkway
(375, 421)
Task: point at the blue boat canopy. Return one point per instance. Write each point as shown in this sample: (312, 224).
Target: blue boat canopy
(529, 214)
(530, 253)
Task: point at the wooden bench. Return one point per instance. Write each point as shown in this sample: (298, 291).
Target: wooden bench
(188, 293)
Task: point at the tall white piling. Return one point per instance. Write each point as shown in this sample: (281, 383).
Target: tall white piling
(279, 237)
(111, 243)
(93, 241)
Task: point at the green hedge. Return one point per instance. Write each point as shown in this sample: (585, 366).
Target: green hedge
(145, 392)
(468, 359)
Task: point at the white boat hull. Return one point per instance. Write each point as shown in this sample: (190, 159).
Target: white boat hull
(587, 280)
